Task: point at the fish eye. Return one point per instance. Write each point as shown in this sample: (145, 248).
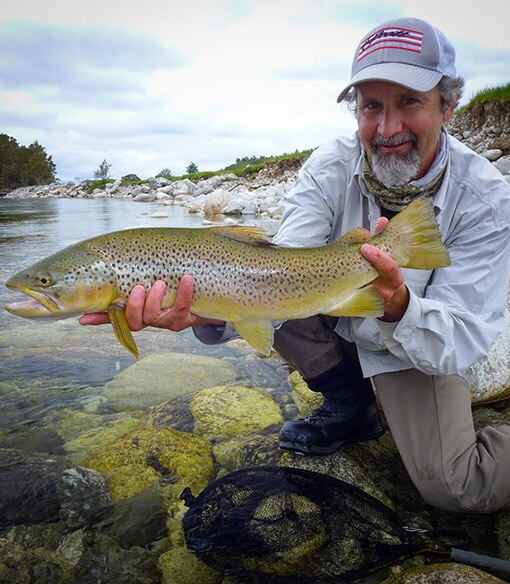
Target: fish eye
(44, 279)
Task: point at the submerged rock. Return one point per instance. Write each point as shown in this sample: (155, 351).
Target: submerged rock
(83, 496)
(161, 376)
(242, 452)
(104, 561)
(139, 520)
(222, 412)
(143, 458)
(20, 565)
(85, 432)
(28, 488)
(443, 574)
(180, 566)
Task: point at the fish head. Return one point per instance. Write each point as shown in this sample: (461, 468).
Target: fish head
(68, 283)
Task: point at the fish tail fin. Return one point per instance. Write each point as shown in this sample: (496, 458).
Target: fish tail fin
(417, 231)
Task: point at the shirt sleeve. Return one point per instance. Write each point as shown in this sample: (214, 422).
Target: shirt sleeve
(462, 310)
(211, 334)
(307, 214)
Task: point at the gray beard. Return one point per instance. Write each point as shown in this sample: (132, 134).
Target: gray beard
(395, 170)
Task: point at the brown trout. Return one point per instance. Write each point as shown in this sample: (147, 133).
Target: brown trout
(239, 276)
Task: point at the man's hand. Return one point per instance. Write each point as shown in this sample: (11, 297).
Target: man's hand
(390, 283)
(144, 309)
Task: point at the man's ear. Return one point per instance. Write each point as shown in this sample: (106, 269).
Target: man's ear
(449, 112)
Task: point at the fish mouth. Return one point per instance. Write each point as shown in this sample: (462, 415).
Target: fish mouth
(41, 304)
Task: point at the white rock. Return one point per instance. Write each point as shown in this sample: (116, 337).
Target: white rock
(490, 379)
(216, 201)
(159, 215)
(166, 189)
(503, 164)
(493, 154)
(144, 198)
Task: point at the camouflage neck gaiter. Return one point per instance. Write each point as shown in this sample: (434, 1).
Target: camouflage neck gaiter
(396, 198)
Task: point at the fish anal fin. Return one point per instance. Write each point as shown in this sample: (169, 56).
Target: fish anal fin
(117, 315)
(363, 302)
(258, 333)
(356, 235)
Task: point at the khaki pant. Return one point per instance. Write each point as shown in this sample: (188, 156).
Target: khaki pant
(429, 418)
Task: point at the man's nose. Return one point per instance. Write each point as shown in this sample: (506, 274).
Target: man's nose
(390, 123)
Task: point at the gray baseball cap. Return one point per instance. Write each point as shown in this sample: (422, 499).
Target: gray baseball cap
(405, 51)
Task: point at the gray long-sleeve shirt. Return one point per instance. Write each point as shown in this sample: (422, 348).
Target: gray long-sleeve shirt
(455, 313)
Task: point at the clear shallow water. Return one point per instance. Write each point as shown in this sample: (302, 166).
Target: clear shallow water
(42, 360)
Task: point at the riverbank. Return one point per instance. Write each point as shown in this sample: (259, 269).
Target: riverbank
(261, 196)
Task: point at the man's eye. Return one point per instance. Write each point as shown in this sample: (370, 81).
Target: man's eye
(370, 106)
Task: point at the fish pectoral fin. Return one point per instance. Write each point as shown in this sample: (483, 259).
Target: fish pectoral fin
(117, 314)
(258, 333)
(363, 302)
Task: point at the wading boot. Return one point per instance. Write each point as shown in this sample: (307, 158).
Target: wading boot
(326, 431)
(348, 414)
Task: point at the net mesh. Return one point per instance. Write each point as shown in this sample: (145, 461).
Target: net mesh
(286, 522)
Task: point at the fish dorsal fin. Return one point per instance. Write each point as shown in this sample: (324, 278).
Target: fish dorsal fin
(258, 333)
(356, 235)
(251, 235)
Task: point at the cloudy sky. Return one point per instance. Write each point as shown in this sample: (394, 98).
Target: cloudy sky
(153, 84)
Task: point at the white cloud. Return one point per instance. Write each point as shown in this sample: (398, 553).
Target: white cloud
(160, 83)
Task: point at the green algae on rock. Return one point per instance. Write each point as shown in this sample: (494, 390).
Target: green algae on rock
(161, 376)
(305, 399)
(19, 565)
(140, 459)
(180, 566)
(449, 573)
(223, 412)
(84, 433)
(245, 451)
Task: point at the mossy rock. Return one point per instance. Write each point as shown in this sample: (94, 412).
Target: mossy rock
(223, 412)
(305, 399)
(180, 566)
(84, 433)
(348, 464)
(20, 565)
(140, 459)
(161, 376)
(443, 574)
(242, 452)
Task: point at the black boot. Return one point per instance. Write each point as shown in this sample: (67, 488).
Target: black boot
(349, 413)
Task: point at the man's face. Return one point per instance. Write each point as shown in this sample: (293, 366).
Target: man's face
(399, 128)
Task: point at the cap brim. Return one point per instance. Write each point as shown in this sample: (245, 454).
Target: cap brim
(416, 78)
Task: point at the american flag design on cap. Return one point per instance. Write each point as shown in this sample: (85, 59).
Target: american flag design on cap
(405, 39)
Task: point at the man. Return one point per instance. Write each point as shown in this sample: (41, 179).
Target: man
(436, 324)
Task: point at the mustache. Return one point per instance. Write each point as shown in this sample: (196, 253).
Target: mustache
(395, 140)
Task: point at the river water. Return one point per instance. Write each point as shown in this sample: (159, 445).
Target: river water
(32, 229)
